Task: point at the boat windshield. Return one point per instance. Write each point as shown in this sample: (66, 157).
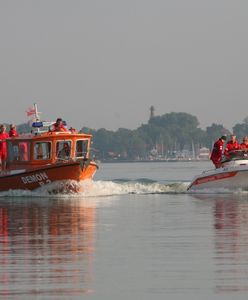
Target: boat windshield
(236, 155)
(18, 151)
(42, 150)
(63, 149)
(81, 148)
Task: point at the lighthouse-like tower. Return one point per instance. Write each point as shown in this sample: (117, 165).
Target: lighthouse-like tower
(152, 110)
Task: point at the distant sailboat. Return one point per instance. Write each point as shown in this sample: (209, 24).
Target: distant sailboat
(193, 150)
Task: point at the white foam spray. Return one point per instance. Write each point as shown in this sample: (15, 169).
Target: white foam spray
(90, 188)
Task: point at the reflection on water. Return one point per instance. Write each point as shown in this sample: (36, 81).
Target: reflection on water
(230, 255)
(231, 243)
(46, 247)
(149, 246)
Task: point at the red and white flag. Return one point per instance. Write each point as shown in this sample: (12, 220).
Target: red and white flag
(31, 111)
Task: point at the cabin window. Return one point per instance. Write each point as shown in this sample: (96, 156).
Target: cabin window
(81, 148)
(63, 149)
(18, 151)
(42, 150)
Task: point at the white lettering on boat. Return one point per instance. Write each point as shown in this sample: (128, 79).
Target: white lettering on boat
(39, 177)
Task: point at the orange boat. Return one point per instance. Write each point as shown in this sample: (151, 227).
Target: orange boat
(42, 158)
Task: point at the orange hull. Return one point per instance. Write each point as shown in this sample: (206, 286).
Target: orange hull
(40, 176)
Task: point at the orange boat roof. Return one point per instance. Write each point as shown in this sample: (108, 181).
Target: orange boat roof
(51, 134)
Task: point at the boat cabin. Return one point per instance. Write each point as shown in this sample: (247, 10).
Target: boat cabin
(30, 151)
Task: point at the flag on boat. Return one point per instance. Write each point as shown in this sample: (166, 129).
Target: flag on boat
(31, 111)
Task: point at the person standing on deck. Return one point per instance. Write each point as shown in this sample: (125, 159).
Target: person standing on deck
(217, 152)
(13, 132)
(3, 146)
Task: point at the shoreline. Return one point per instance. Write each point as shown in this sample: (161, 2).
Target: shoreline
(152, 161)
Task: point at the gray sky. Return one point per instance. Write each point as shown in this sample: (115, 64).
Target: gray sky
(103, 63)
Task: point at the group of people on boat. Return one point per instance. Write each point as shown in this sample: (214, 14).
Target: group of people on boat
(3, 147)
(221, 151)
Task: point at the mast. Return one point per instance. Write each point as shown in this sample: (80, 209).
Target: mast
(193, 149)
(36, 113)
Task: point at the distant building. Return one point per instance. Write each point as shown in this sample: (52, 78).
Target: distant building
(152, 110)
(204, 153)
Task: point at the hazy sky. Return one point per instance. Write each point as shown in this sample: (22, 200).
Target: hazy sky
(103, 63)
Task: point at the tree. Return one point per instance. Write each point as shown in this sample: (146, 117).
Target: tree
(104, 141)
(24, 128)
(214, 132)
(180, 129)
(241, 130)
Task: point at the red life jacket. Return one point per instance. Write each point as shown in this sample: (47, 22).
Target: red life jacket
(217, 151)
(230, 146)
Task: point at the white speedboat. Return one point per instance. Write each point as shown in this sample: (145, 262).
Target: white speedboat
(233, 175)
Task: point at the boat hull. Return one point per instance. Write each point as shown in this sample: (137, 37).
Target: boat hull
(230, 178)
(33, 179)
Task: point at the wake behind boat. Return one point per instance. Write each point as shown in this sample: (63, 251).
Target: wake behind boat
(44, 157)
(233, 175)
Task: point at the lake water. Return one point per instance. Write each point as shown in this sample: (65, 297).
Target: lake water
(134, 234)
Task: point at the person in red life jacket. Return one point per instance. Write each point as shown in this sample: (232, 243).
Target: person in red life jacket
(244, 145)
(13, 132)
(3, 146)
(231, 146)
(217, 152)
(59, 126)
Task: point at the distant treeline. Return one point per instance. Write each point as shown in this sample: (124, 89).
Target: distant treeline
(166, 133)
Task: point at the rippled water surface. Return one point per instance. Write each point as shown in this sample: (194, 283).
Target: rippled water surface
(134, 233)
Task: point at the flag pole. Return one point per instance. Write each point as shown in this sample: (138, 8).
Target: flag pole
(36, 113)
